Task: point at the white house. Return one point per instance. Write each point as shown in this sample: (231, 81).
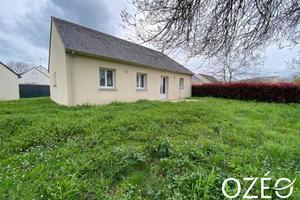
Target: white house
(43, 69)
(87, 66)
(266, 79)
(35, 76)
(9, 87)
(203, 78)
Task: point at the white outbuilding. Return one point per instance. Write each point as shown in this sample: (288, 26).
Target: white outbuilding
(9, 86)
(35, 76)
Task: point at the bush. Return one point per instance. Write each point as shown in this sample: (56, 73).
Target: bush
(296, 80)
(267, 92)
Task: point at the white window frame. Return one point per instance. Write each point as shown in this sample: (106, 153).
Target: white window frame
(181, 83)
(138, 81)
(113, 78)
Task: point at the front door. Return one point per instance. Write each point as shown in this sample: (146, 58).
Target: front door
(163, 87)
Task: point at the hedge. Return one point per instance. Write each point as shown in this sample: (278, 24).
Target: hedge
(267, 92)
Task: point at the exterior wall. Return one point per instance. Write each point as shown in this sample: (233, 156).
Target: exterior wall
(58, 66)
(9, 87)
(85, 82)
(34, 77)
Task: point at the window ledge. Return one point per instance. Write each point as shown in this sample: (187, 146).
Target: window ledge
(107, 89)
(141, 89)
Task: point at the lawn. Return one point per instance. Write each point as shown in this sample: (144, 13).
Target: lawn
(144, 150)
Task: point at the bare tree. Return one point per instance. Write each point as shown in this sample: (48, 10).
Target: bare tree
(232, 66)
(295, 63)
(19, 67)
(211, 27)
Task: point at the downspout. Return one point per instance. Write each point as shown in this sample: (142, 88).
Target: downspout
(179, 92)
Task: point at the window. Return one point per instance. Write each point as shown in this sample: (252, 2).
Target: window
(107, 77)
(141, 81)
(54, 80)
(181, 83)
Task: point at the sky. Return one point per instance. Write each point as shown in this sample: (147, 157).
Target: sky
(25, 27)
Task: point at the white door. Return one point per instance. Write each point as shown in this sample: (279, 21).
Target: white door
(163, 87)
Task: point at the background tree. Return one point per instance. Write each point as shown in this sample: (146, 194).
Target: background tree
(295, 63)
(235, 65)
(19, 67)
(210, 27)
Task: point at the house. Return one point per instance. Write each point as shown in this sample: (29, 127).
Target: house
(266, 79)
(35, 76)
(203, 78)
(34, 83)
(90, 67)
(44, 70)
(9, 87)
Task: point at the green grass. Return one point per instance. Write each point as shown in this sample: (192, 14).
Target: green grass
(144, 150)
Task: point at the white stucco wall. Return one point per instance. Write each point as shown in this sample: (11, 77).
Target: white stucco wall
(58, 66)
(86, 89)
(34, 77)
(9, 87)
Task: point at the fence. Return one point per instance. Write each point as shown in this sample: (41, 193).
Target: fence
(27, 91)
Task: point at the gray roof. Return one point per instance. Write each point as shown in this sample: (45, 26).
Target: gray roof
(43, 70)
(208, 77)
(38, 69)
(196, 79)
(86, 41)
(1, 63)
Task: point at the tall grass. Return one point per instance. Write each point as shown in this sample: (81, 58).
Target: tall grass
(143, 150)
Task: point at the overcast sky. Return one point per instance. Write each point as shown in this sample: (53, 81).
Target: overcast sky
(25, 24)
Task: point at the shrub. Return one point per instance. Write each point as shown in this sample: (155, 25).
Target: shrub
(297, 80)
(267, 92)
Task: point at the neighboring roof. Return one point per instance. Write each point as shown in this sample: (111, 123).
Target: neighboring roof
(37, 68)
(43, 69)
(10, 69)
(208, 77)
(267, 79)
(195, 79)
(86, 41)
